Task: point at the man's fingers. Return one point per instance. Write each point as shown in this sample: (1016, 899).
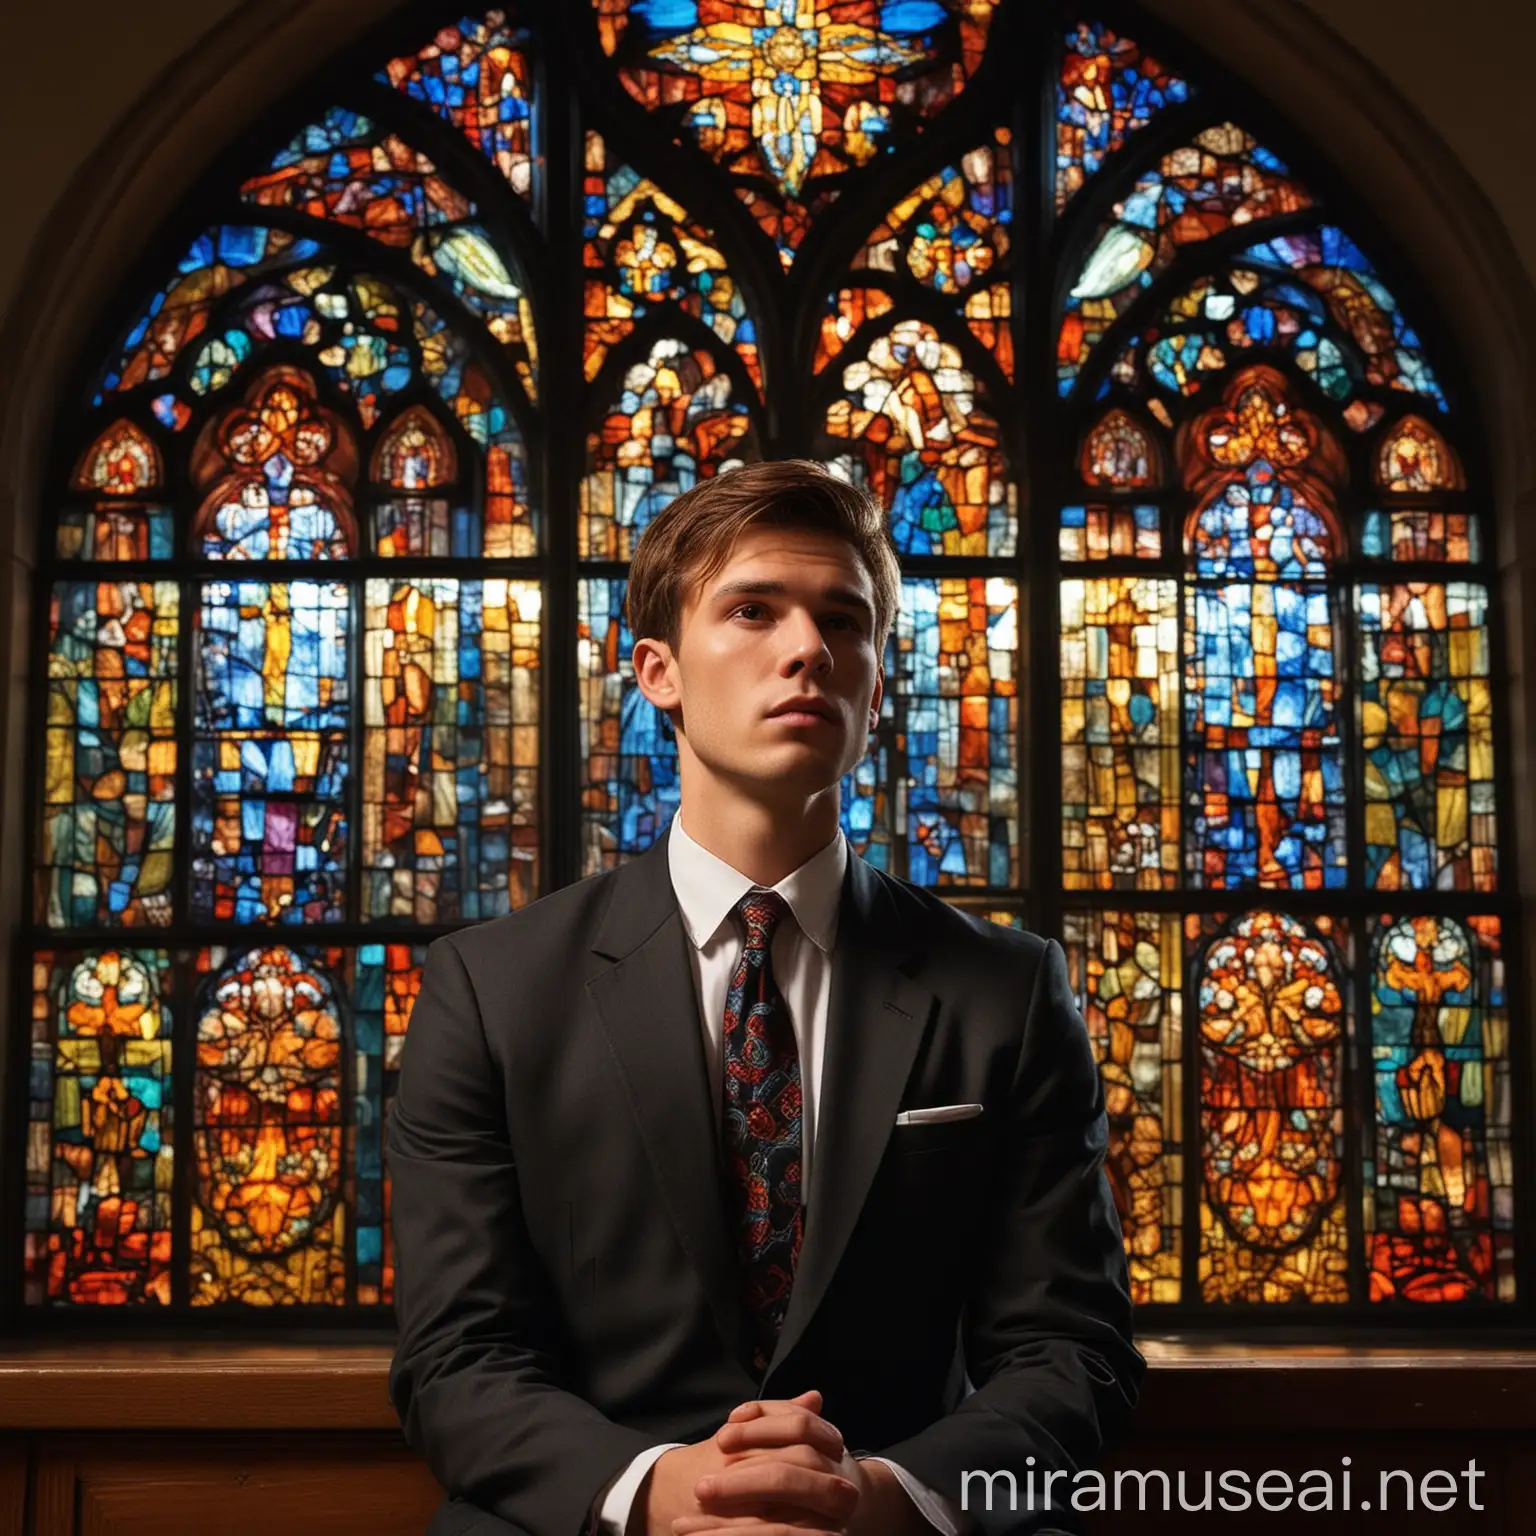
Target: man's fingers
(799, 1454)
(782, 1429)
(745, 1486)
(763, 1405)
(796, 1421)
(748, 1526)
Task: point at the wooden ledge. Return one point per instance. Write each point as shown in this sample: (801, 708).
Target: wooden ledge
(1217, 1388)
(1190, 1386)
(195, 1385)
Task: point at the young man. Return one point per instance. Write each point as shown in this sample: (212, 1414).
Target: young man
(719, 1176)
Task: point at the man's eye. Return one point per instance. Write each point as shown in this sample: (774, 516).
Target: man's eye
(750, 610)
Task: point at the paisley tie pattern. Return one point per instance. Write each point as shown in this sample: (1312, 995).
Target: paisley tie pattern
(762, 1128)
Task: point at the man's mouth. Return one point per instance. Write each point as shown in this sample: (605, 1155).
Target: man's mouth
(803, 710)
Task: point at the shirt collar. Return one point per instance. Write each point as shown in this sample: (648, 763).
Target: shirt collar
(708, 888)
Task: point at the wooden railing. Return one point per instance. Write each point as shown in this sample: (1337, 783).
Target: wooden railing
(248, 1440)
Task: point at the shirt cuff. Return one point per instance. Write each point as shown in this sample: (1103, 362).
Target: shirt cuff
(613, 1506)
(938, 1511)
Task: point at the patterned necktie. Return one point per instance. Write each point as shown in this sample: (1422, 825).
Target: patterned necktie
(761, 1132)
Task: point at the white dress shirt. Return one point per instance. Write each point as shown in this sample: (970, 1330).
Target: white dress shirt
(707, 890)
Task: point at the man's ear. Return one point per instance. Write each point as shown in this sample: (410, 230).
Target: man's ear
(879, 694)
(656, 675)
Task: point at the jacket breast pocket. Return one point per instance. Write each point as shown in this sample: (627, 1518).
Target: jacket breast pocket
(940, 1163)
(940, 1136)
(932, 1185)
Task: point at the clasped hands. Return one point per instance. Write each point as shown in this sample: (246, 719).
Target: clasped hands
(775, 1468)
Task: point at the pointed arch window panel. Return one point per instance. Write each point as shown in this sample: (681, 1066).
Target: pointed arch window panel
(334, 655)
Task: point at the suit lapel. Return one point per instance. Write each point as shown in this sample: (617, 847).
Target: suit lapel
(649, 1011)
(876, 1019)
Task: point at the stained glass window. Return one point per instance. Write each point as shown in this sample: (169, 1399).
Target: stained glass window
(1120, 734)
(100, 1137)
(451, 748)
(386, 979)
(278, 472)
(1221, 179)
(109, 819)
(1107, 89)
(1266, 766)
(270, 752)
(677, 420)
(1259, 434)
(1439, 1201)
(644, 254)
(477, 74)
(336, 656)
(1127, 970)
(269, 1221)
(1272, 1030)
(909, 424)
(122, 468)
(789, 97)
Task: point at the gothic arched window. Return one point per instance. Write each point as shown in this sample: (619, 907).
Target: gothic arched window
(336, 656)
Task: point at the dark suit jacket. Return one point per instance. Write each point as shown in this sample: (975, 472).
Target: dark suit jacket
(565, 1285)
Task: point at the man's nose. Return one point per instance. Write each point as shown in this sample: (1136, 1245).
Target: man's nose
(805, 645)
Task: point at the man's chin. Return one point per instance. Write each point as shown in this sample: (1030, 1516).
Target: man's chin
(795, 768)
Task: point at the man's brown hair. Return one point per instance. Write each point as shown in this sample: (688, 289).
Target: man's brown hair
(692, 537)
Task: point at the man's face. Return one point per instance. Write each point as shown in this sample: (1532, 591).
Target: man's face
(788, 620)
